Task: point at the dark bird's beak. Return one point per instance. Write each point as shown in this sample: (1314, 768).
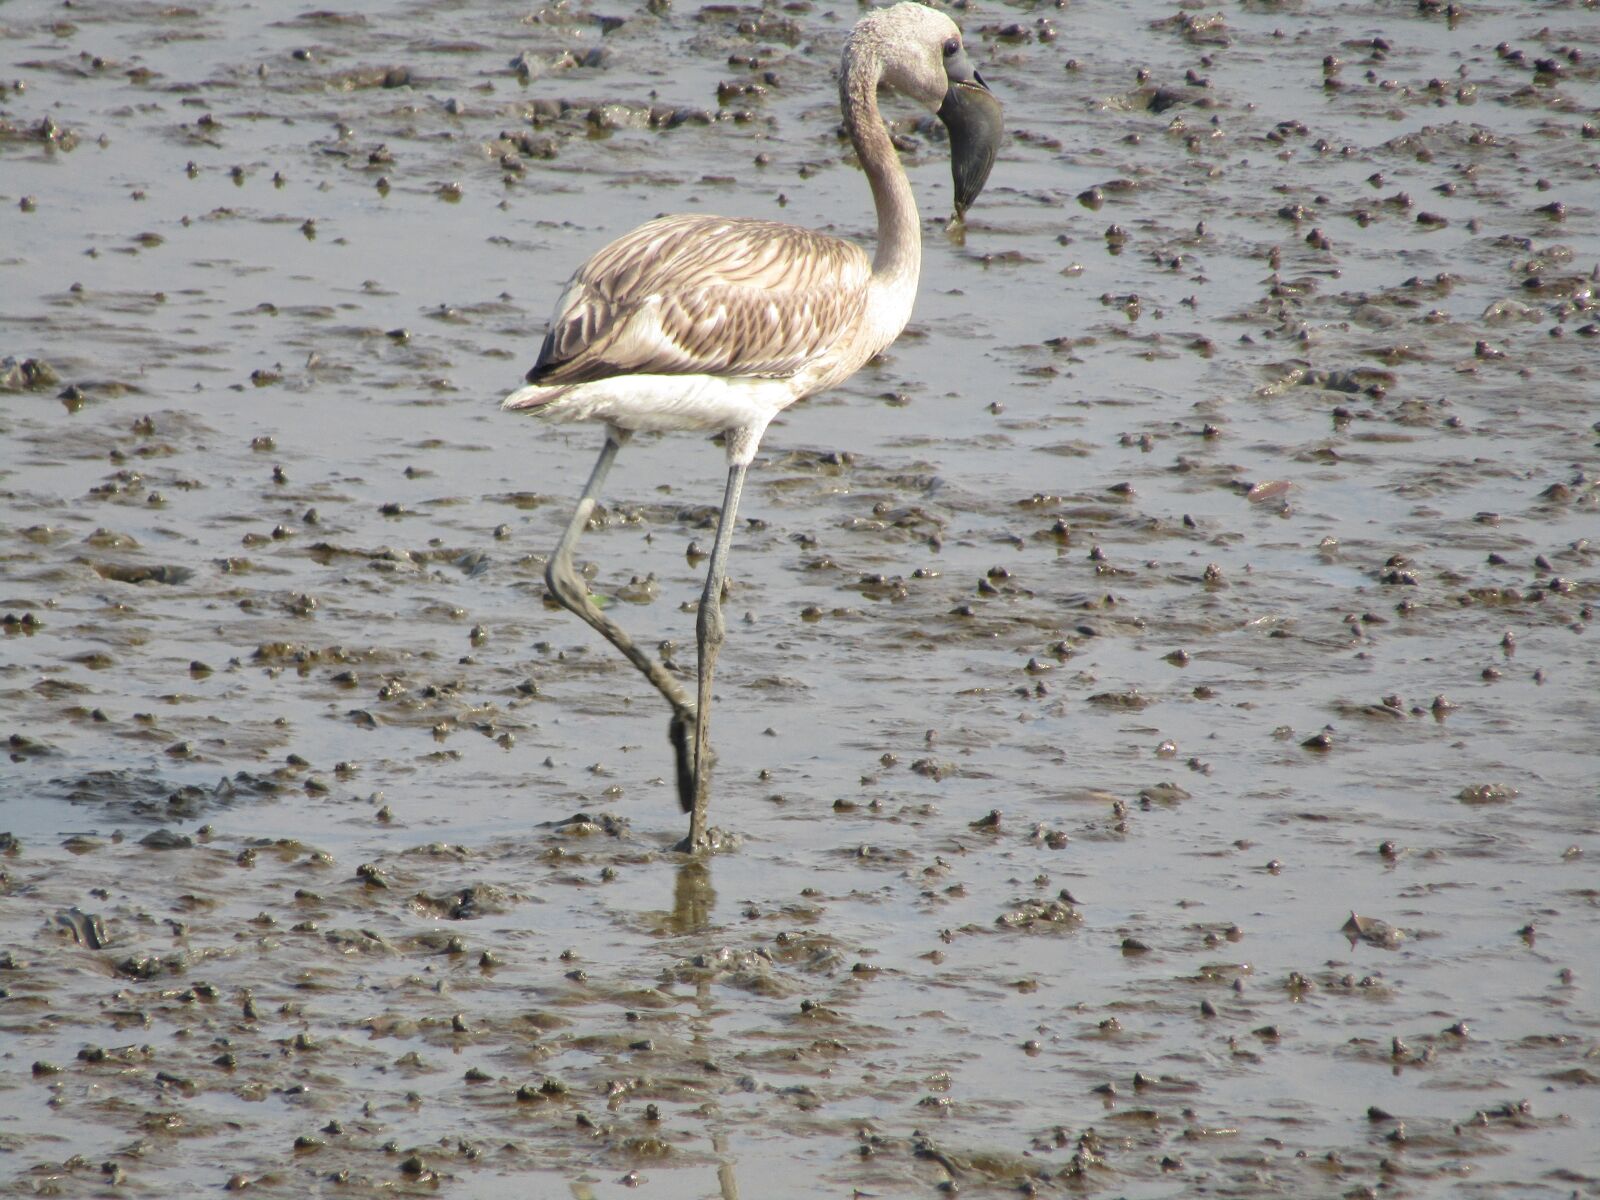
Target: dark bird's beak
(973, 116)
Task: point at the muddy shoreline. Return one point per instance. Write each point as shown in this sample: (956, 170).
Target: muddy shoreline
(1213, 560)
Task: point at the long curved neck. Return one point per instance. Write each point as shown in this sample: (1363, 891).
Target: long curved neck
(899, 231)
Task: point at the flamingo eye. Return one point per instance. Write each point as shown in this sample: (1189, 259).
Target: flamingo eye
(952, 47)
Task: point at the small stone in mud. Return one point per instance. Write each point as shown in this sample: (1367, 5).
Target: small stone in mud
(371, 875)
(1041, 915)
(28, 374)
(86, 929)
(166, 839)
(1487, 793)
(140, 966)
(1373, 931)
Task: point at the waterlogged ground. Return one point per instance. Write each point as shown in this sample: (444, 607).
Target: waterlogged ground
(1214, 559)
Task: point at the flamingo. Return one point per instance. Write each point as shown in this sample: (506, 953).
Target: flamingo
(704, 323)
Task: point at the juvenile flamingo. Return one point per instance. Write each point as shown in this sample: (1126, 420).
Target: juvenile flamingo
(718, 324)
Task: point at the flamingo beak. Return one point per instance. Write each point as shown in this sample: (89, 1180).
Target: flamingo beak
(973, 118)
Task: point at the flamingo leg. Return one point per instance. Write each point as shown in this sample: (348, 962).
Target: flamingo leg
(711, 630)
(570, 590)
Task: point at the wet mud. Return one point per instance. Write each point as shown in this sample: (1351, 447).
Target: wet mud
(1157, 723)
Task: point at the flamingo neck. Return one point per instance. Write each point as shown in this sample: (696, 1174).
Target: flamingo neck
(899, 255)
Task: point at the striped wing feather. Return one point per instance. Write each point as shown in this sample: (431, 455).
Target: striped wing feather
(692, 295)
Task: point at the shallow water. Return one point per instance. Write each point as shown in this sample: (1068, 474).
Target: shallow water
(1239, 560)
